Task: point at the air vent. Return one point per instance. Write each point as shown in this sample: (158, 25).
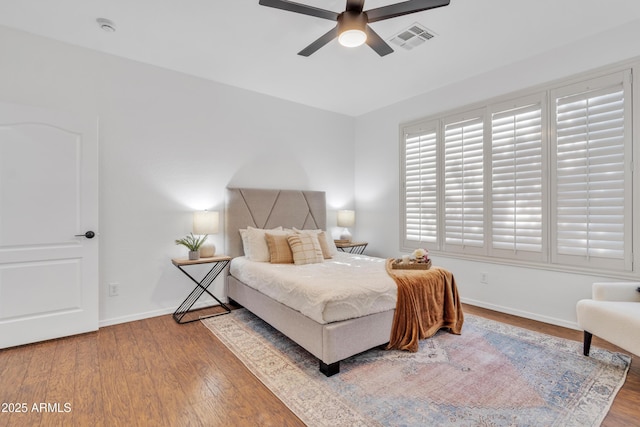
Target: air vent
(413, 36)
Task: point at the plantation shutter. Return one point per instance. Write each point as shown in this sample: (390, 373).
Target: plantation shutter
(463, 184)
(420, 189)
(593, 180)
(517, 181)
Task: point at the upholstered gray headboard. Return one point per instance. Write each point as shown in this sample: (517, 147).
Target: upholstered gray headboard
(262, 208)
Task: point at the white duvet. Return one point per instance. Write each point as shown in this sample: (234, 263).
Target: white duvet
(344, 287)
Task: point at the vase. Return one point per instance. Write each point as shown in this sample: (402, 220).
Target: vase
(207, 250)
(194, 255)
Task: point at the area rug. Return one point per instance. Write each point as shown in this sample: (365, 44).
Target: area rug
(492, 375)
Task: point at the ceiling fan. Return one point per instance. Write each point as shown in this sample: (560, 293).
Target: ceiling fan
(353, 24)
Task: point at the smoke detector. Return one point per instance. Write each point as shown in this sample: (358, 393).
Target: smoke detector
(413, 36)
(106, 25)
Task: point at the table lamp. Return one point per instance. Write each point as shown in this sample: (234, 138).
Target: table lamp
(346, 218)
(205, 223)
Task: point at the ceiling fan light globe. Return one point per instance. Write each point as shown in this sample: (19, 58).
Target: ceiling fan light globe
(352, 38)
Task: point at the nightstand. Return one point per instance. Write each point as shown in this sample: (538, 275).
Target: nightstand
(352, 247)
(218, 263)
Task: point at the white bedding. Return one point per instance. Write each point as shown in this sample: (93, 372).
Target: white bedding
(344, 287)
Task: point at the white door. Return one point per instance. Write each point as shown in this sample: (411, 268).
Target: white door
(48, 195)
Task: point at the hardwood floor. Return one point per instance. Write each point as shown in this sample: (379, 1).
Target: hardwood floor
(154, 372)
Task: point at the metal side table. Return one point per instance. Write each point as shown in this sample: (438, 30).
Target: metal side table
(352, 247)
(218, 264)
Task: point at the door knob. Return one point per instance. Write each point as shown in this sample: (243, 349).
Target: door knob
(89, 235)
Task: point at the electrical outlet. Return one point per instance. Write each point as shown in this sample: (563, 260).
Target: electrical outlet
(484, 277)
(114, 288)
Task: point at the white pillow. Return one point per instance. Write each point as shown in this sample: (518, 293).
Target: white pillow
(257, 248)
(245, 241)
(329, 248)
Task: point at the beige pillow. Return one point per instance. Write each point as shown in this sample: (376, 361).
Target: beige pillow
(322, 239)
(327, 244)
(305, 248)
(279, 249)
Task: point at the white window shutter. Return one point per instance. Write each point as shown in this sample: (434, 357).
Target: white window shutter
(464, 184)
(592, 179)
(420, 189)
(517, 181)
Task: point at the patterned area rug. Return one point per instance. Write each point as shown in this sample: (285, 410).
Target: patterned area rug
(491, 375)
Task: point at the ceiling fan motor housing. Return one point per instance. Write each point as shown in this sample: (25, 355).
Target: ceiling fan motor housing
(349, 20)
(352, 28)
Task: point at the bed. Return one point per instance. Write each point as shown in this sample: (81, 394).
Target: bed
(305, 210)
(333, 322)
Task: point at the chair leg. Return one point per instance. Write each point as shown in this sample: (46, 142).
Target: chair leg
(587, 342)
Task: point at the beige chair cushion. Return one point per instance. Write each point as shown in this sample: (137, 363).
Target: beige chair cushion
(616, 322)
(613, 314)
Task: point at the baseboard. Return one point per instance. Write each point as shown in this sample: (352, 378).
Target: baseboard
(149, 314)
(482, 304)
(521, 313)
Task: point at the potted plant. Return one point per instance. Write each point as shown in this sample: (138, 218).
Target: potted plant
(192, 243)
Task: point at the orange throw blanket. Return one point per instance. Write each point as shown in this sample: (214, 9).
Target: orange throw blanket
(427, 301)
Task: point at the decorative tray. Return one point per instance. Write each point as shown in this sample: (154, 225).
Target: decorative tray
(413, 265)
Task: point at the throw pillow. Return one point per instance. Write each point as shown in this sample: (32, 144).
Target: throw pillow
(305, 248)
(279, 249)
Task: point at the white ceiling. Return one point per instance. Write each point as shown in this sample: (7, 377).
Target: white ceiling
(240, 43)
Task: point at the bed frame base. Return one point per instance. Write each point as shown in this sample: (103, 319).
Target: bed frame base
(330, 369)
(331, 342)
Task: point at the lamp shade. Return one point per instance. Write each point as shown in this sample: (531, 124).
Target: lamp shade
(205, 222)
(346, 218)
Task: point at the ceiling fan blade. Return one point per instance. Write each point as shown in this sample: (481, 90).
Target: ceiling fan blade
(355, 5)
(403, 8)
(376, 43)
(326, 38)
(300, 8)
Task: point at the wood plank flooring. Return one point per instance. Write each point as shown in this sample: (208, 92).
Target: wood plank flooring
(154, 372)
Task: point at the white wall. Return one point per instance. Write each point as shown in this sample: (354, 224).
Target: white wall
(170, 144)
(538, 294)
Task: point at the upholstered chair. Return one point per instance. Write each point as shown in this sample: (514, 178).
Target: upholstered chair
(613, 314)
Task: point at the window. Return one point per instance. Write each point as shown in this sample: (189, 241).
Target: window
(517, 182)
(421, 205)
(464, 184)
(592, 186)
(544, 178)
